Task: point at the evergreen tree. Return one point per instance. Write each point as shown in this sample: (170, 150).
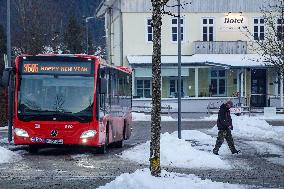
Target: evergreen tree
(73, 36)
(3, 119)
(2, 48)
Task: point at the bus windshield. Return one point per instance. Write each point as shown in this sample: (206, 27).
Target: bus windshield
(55, 97)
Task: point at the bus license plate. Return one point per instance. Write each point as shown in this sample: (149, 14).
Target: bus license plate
(54, 141)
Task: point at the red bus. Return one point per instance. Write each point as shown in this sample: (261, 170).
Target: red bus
(71, 100)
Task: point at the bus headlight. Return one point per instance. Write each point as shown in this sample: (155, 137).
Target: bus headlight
(21, 132)
(88, 134)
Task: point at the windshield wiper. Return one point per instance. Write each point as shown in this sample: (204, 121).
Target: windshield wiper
(51, 113)
(71, 115)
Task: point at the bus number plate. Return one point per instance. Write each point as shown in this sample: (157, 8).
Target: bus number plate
(54, 141)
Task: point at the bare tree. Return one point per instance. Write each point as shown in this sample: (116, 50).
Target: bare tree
(269, 41)
(159, 9)
(156, 89)
(157, 13)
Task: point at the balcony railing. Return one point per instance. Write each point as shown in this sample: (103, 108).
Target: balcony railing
(220, 47)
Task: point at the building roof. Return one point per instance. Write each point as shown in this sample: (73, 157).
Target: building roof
(100, 11)
(195, 6)
(224, 60)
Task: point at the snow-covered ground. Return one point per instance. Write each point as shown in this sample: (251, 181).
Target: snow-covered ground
(194, 150)
(265, 148)
(142, 179)
(7, 156)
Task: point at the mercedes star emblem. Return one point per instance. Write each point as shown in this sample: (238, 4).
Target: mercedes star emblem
(54, 133)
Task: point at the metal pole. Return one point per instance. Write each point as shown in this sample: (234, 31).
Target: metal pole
(87, 37)
(10, 90)
(282, 57)
(179, 72)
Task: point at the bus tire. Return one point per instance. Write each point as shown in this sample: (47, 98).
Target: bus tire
(124, 131)
(118, 144)
(103, 149)
(33, 149)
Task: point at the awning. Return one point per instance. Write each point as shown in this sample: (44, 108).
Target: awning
(224, 60)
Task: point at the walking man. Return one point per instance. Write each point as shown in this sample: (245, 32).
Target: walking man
(224, 124)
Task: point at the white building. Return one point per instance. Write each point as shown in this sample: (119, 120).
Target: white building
(216, 50)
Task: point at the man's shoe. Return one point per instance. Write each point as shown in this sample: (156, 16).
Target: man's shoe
(236, 151)
(215, 152)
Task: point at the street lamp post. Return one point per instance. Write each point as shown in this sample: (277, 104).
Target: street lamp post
(87, 33)
(179, 72)
(8, 65)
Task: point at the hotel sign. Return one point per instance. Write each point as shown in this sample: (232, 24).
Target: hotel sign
(233, 23)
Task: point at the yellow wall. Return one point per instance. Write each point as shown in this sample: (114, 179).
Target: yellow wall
(135, 31)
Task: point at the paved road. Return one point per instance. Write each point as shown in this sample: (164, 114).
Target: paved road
(82, 168)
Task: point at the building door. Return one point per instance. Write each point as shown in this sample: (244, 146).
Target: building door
(258, 87)
(174, 87)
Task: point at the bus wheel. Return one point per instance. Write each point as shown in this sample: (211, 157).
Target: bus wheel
(124, 132)
(103, 148)
(33, 149)
(118, 144)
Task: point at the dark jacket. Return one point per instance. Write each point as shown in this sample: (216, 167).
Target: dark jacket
(224, 118)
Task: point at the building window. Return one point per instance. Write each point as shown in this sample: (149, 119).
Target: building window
(175, 29)
(174, 87)
(149, 30)
(258, 29)
(218, 82)
(143, 88)
(208, 29)
(280, 29)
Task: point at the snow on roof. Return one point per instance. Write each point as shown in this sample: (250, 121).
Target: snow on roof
(230, 60)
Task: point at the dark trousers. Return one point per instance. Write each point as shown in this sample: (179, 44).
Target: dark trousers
(225, 134)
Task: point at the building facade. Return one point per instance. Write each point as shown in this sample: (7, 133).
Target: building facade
(218, 58)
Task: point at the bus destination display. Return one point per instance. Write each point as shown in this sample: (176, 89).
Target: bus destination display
(35, 67)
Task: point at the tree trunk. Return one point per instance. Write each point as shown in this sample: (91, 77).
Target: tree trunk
(156, 90)
(281, 89)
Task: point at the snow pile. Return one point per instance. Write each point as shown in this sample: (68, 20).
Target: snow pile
(7, 156)
(144, 117)
(253, 128)
(142, 179)
(195, 152)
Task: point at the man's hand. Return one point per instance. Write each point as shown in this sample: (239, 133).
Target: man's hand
(230, 127)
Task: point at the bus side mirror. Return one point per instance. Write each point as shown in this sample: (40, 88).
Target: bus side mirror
(6, 77)
(103, 86)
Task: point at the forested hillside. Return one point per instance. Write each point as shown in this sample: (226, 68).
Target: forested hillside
(36, 24)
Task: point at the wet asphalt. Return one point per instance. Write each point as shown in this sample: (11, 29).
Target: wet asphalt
(84, 168)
